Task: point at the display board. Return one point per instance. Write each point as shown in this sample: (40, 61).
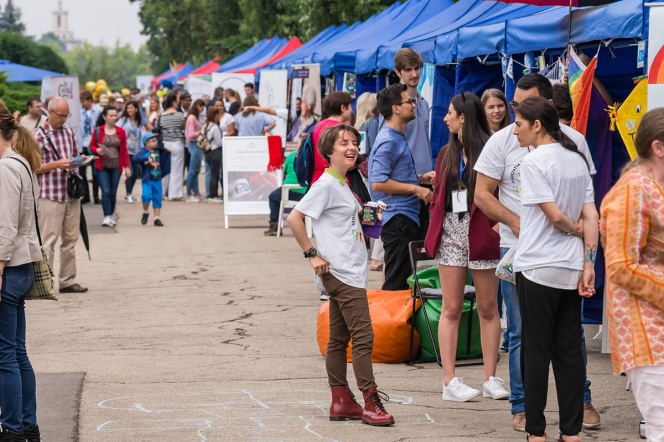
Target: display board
(273, 93)
(143, 82)
(304, 85)
(247, 183)
(67, 88)
(229, 80)
(656, 57)
(199, 85)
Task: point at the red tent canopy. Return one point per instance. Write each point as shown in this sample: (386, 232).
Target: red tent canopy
(205, 68)
(292, 44)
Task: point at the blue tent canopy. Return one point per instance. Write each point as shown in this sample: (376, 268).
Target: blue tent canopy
(172, 80)
(303, 53)
(258, 53)
(18, 72)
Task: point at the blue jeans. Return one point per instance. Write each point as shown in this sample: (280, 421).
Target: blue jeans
(18, 398)
(275, 202)
(135, 174)
(514, 345)
(194, 169)
(108, 181)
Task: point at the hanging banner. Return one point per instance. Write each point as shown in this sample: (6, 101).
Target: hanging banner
(656, 57)
(67, 88)
(425, 88)
(143, 82)
(273, 93)
(305, 91)
(229, 80)
(247, 182)
(199, 85)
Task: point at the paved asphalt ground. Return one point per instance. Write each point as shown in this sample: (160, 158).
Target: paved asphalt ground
(195, 333)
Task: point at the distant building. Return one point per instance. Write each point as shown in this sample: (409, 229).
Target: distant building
(61, 28)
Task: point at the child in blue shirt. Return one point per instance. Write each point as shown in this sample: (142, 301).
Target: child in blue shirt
(155, 164)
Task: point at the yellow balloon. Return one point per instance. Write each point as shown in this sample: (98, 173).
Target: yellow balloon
(125, 91)
(101, 81)
(90, 85)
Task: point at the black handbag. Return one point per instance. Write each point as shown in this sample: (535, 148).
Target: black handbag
(158, 132)
(75, 182)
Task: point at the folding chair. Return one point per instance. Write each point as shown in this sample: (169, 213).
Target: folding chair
(418, 255)
(286, 206)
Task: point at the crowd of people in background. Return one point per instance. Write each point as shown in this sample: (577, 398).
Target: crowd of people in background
(497, 188)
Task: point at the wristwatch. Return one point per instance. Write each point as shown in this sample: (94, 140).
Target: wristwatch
(310, 253)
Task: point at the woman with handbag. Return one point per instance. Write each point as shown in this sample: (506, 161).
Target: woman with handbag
(109, 142)
(19, 248)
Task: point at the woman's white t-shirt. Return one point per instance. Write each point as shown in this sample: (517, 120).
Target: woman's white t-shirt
(338, 229)
(551, 173)
(226, 119)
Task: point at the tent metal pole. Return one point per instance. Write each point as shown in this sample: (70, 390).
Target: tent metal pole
(569, 41)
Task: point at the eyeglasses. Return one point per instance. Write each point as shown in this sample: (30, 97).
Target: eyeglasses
(514, 104)
(61, 116)
(412, 102)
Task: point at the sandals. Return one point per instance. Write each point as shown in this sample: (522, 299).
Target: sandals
(528, 437)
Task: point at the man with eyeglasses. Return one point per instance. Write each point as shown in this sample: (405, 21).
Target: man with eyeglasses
(59, 215)
(89, 115)
(498, 166)
(393, 179)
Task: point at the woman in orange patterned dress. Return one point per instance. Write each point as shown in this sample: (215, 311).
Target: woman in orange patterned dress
(632, 230)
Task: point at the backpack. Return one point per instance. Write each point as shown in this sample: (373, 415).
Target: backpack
(303, 164)
(203, 142)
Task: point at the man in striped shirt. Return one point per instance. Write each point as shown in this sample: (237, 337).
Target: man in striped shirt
(59, 215)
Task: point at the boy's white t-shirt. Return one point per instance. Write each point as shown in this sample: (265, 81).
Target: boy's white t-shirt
(338, 229)
(225, 120)
(500, 159)
(551, 173)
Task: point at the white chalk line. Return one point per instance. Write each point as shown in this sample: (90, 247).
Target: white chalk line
(251, 396)
(200, 430)
(307, 427)
(429, 417)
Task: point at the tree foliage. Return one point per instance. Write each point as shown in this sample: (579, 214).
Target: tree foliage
(16, 96)
(119, 65)
(10, 19)
(19, 49)
(196, 30)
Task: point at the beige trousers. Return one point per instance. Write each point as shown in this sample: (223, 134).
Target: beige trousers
(61, 220)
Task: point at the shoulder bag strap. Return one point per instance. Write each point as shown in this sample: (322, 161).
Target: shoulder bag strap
(48, 137)
(34, 201)
(38, 121)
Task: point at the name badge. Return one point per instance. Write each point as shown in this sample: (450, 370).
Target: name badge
(460, 201)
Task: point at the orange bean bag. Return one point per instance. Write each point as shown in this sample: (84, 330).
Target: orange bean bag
(390, 312)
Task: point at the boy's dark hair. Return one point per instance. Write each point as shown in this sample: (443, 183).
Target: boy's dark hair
(85, 95)
(250, 85)
(562, 102)
(388, 97)
(539, 81)
(330, 135)
(31, 100)
(218, 92)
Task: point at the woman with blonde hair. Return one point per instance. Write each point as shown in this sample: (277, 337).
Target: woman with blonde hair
(495, 107)
(632, 230)
(20, 157)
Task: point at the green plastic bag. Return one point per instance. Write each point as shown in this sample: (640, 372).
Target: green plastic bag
(430, 279)
(464, 351)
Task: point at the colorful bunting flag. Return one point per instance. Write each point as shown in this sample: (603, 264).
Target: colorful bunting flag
(580, 88)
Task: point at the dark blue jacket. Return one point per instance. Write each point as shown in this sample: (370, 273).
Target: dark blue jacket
(142, 157)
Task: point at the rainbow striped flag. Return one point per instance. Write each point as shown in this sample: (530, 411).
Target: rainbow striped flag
(580, 88)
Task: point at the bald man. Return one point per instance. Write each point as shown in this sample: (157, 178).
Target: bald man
(59, 215)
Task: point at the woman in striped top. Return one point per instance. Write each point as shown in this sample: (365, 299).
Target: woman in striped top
(632, 229)
(171, 126)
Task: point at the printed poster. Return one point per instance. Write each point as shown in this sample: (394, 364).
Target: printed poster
(656, 57)
(144, 82)
(273, 93)
(66, 87)
(305, 89)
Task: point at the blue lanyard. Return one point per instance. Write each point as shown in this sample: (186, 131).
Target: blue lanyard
(462, 167)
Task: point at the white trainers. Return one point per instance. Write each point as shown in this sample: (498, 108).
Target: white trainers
(130, 199)
(193, 199)
(108, 222)
(457, 391)
(494, 389)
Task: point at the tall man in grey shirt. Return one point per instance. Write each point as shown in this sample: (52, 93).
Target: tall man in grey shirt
(408, 66)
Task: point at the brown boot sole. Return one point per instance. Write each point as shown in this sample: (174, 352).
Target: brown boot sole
(378, 424)
(344, 418)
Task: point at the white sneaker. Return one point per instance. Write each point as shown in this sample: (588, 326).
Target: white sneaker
(324, 297)
(214, 201)
(108, 222)
(494, 389)
(193, 199)
(130, 199)
(457, 391)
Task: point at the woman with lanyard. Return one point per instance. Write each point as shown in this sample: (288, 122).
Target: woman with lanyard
(109, 143)
(132, 124)
(462, 237)
(552, 272)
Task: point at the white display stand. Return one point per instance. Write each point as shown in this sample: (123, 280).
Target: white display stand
(247, 182)
(656, 57)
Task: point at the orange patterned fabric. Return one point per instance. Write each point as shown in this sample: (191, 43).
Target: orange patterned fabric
(632, 230)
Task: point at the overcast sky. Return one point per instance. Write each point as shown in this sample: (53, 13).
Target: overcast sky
(97, 21)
